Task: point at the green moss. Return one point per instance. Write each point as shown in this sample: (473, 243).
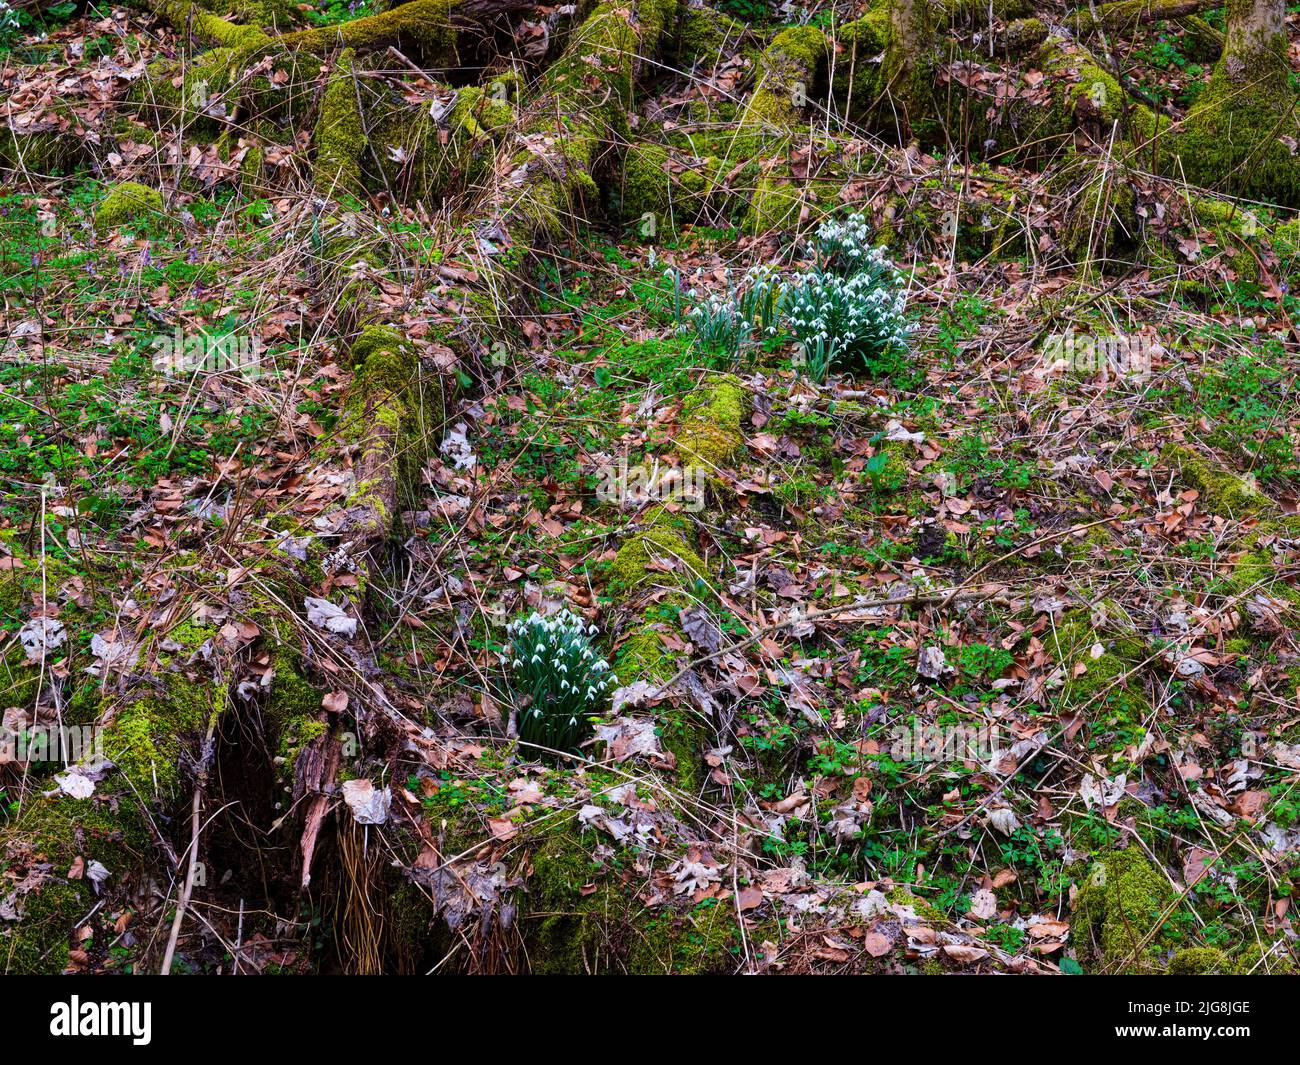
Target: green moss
(1199, 961)
(1116, 927)
(783, 84)
(585, 918)
(39, 152)
(650, 186)
(856, 74)
(710, 430)
(127, 202)
(643, 656)
(683, 735)
(1221, 492)
(53, 832)
(774, 206)
(895, 473)
(908, 72)
(209, 27)
(251, 185)
(1071, 643)
(385, 415)
(1286, 238)
(1103, 222)
(1024, 33)
(1265, 959)
(418, 157)
(977, 11)
(340, 137)
(149, 735)
(702, 33)
(20, 679)
(661, 541)
(281, 15)
(1256, 571)
(423, 26)
(174, 92)
(1235, 134)
(900, 896)
(299, 732)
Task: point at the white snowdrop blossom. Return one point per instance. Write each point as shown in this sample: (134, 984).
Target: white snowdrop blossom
(8, 20)
(844, 247)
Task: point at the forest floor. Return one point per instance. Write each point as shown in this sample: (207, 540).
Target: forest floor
(1080, 576)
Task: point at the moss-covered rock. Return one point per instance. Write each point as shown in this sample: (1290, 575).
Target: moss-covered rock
(40, 152)
(702, 34)
(582, 917)
(1104, 685)
(660, 541)
(386, 418)
(786, 72)
(1119, 913)
(656, 183)
(43, 844)
(856, 79)
(1236, 134)
(128, 201)
(1200, 961)
(710, 432)
(151, 729)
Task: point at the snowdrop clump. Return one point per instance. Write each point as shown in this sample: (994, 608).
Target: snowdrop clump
(8, 20)
(725, 325)
(762, 295)
(720, 325)
(860, 318)
(559, 676)
(850, 307)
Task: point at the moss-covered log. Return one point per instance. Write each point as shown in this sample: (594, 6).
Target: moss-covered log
(1126, 14)
(766, 127)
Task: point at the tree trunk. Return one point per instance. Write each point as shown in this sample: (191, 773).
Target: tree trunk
(907, 71)
(1239, 134)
